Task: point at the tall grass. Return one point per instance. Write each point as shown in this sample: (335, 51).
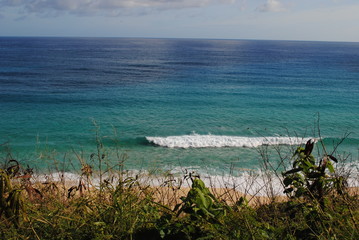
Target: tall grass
(106, 202)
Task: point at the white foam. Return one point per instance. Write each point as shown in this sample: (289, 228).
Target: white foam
(252, 182)
(205, 141)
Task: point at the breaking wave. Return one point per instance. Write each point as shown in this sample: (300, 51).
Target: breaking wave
(207, 141)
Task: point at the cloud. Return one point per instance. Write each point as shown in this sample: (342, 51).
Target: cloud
(103, 7)
(271, 6)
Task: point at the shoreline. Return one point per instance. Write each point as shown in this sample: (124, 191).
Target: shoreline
(168, 191)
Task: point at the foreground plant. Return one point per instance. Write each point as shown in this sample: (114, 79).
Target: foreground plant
(317, 195)
(11, 202)
(311, 178)
(200, 215)
(125, 207)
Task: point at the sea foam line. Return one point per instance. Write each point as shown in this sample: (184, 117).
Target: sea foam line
(254, 182)
(205, 141)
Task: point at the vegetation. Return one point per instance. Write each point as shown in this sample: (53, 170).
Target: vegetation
(318, 205)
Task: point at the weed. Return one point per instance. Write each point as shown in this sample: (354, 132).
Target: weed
(125, 206)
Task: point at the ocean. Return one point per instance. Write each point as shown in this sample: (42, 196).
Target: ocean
(209, 106)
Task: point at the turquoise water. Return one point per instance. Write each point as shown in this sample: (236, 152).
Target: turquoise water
(52, 89)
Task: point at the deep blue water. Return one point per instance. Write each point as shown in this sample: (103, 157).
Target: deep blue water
(52, 89)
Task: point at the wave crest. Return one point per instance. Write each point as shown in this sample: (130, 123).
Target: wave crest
(206, 141)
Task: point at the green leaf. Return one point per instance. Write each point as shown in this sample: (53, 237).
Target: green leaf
(288, 190)
(300, 191)
(295, 170)
(302, 155)
(308, 162)
(309, 147)
(162, 233)
(333, 158)
(311, 159)
(330, 167)
(287, 181)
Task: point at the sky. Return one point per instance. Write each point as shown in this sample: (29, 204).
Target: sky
(313, 20)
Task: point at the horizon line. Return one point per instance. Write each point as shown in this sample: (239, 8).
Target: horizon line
(185, 38)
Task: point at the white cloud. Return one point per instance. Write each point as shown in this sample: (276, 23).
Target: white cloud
(271, 6)
(104, 7)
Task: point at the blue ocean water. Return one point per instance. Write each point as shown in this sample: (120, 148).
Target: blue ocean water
(53, 89)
